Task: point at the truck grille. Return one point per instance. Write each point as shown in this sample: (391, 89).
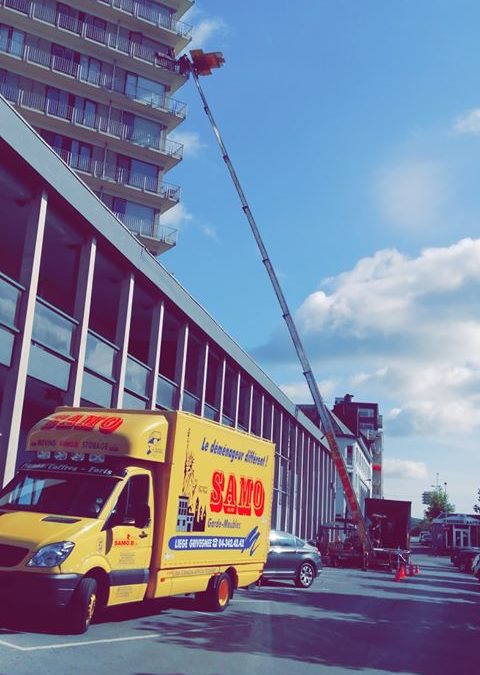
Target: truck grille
(11, 555)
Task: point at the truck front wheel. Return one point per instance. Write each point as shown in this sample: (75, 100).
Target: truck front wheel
(82, 605)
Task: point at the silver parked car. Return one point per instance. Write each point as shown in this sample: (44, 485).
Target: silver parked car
(292, 558)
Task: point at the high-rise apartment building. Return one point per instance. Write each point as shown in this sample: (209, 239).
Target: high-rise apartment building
(96, 79)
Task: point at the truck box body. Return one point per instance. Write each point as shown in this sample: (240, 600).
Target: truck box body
(391, 520)
(135, 505)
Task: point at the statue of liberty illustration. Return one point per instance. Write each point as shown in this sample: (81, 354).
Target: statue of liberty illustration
(190, 483)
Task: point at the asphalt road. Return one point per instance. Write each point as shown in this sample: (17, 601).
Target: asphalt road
(348, 621)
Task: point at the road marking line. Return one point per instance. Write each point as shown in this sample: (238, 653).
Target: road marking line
(77, 644)
(102, 641)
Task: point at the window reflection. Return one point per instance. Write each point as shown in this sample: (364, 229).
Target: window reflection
(136, 376)
(99, 356)
(9, 297)
(52, 329)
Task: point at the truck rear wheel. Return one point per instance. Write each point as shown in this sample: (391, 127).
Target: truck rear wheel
(82, 605)
(218, 594)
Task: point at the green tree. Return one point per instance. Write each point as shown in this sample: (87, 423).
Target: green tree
(438, 505)
(476, 507)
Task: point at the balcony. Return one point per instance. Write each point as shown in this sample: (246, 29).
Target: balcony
(87, 31)
(151, 16)
(156, 238)
(96, 123)
(114, 174)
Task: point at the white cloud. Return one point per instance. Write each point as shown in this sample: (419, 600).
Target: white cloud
(204, 30)
(209, 232)
(190, 140)
(412, 194)
(404, 468)
(468, 123)
(176, 216)
(403, 331)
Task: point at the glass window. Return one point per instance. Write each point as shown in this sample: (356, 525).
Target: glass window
(194, 366)
(147, 133)
(6, 346)
(90, 69)
(169, 346)
(81, 156)
(48, 368)
(131, 402)
(9, 298)
(230, 393)
(244, 403)
(366, 412)
(166, 393)
(144, 90)
(52, 329)
(11, 40)
(107, 287)
(64, 60)
(282, 539)
(136, 376)
(86, 112)
(9, 85)
(212, 390)
(67, 495)
(99, 356)
(96, 390)
(256, 412)
(58, 103)
(134, 494)
(267, 419)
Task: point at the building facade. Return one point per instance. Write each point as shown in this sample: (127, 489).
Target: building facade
(89, 317)
(97, 79)
(358, 461)
(365, 421)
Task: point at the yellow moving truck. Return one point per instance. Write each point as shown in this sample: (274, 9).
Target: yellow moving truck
(119, 506)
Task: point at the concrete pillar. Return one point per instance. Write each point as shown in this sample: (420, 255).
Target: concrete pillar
(16, 379)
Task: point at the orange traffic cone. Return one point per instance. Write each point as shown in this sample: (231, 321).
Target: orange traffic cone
(400, 573)
(411, 570)
(417, 571)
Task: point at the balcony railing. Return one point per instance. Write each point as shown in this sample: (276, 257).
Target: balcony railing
(86, 74)
(87, 30)
(162, 233)
(148, 13)
(114, 174)
(100, 123)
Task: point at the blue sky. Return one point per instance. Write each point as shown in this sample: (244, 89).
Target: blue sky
(354, 128)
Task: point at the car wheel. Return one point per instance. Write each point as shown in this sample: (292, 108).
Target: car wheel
(305, 575)
(82, 605)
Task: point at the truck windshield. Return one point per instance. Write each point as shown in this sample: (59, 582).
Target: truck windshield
(66, 495)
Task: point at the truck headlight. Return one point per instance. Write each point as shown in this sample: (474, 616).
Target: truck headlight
(52, 554)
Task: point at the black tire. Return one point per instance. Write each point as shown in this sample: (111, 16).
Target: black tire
(218, 594)
(82, 605)
(305, 575)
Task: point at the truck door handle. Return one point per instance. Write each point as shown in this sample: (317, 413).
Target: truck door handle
(142, 535)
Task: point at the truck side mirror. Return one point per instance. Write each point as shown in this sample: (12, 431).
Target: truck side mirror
(142, 516)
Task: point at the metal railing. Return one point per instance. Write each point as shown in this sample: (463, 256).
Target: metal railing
(158, 18)
(100, 123)
(87, 74)
(114, 174)
(148, 229)
(87, 30)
